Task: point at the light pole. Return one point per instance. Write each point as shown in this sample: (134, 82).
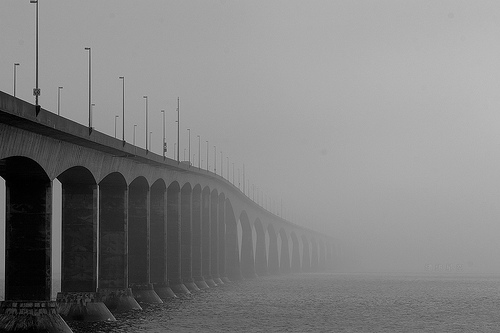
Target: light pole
(15, 65)
(90, 86)
(164, 144)
(134, 134)
(215, 159)
(199, 153)
(221, 165)
(178, 127)
(189, 145)
(116, 117)
(146, 98)
(36, 91)
(123, 108)
(92, 106)
(59, 100)
(207, 155)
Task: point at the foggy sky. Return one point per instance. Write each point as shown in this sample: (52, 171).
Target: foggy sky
(375, 121)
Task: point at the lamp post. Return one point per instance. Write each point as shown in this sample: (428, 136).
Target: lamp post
(123, 108)
(59, 100)
(178, 127)
(92, 105)
(215, 159)
(146, 98)
(221, 165)
(15, 65)
(199, 153)
(207, 155)
(36, 91)
(116, 117)
(164, 143)
(189, 145)
(90, 86)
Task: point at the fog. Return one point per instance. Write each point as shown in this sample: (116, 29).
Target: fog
(376, 122)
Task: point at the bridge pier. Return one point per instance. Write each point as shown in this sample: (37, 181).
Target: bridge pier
(113, 253)
(295, 265)
(206, 225)
(174, 240)
(285, 254)
(139, 242)
(28, 279)
(214, 238)
(273, 263)
(78, 299)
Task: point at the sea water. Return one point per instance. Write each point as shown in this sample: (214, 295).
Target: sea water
(325, 302)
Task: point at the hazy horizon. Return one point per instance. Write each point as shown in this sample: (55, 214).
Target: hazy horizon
(377, 122)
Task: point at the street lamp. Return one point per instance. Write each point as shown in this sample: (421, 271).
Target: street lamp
(215, 159)
(36, 91)
(178, 127)
(221, 164)
(116, 117)
(15, 65)
(90, 86)
(92, 106)
(123, 108)
(189, 145)
(59, 100)
(164, 144)
(199, 153)
(207, 155)
(146, 98)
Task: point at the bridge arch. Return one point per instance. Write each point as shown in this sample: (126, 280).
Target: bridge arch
(28, 225)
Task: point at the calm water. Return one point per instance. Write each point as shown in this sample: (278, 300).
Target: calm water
(326, 303)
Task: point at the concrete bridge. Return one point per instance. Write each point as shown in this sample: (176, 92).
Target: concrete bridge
(135, 226)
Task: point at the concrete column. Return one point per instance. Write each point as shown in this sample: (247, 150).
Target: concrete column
(186, 239)
(27, 305)
(158, 244)
(139, 243)
(322, 259)
(295, 255)
(78, 299)
(260, 254)
(197, 239)
(285, 254)
(314, 257)
(174, 240)
(113, 254)
(232, 250)
(222, 240)
(247, 257)
(306, 257)
(214, 238)
(273, 261)
(206, 238)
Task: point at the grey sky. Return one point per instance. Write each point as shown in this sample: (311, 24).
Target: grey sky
(376, 121)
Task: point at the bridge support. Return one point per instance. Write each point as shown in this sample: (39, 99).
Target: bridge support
(27, 305)
(78, 299)
(113, 256)
(206, 260)
(214, 238)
